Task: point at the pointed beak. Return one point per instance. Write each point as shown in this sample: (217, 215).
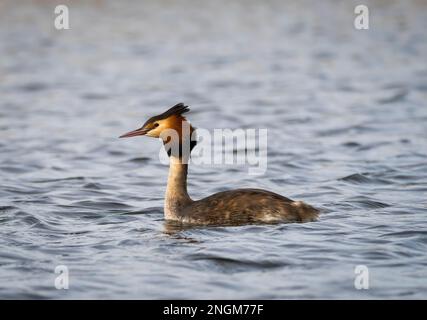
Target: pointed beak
(134, 133)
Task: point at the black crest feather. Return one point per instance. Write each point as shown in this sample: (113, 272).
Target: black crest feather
(177, 109)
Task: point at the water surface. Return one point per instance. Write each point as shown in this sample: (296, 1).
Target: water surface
(347, 125)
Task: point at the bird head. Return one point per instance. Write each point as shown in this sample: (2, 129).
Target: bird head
(162, 125)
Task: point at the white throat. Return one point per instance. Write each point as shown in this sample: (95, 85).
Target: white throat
(176, 198)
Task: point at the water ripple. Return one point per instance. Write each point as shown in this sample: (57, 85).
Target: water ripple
(346, 133)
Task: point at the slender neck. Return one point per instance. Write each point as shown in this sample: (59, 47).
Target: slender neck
(176, 192)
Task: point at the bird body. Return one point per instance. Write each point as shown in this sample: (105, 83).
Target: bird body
(231, 207)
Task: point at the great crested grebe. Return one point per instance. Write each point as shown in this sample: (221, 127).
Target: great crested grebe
(223, 208)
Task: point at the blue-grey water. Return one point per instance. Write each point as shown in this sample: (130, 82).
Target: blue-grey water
(346, 116)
